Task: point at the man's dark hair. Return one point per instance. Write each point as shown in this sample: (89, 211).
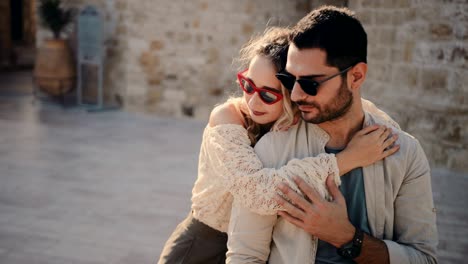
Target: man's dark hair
(336, 31)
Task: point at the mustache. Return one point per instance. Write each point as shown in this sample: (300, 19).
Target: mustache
(304, 103)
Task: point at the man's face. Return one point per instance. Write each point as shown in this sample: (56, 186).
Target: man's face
(333, 99)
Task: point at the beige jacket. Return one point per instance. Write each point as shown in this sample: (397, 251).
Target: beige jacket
(398, 196)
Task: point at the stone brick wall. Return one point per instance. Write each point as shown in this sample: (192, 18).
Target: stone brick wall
(174, 58)
(180, 52)
(418, 72)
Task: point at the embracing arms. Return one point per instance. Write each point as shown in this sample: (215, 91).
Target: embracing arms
(254, 186)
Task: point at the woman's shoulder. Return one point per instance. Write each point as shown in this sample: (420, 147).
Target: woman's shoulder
(226, 113)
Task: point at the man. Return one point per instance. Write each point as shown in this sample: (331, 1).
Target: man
(381, 213)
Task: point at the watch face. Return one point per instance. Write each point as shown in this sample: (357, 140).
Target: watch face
(350, 252)
(353, 248)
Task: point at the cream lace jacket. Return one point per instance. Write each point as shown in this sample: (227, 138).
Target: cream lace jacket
(229, 168)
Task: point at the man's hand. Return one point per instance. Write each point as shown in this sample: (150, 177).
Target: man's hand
(326, 220)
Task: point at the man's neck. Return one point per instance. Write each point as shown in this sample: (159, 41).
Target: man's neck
(343, 129)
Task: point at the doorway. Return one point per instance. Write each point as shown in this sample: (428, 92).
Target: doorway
(17, 34)
(17, 46)
(16, 11)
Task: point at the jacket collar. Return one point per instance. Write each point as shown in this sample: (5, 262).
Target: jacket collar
(374, 182)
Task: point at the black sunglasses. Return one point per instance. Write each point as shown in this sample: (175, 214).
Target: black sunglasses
(309, 86)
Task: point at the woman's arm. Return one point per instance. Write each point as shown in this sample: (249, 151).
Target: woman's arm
(252, 185)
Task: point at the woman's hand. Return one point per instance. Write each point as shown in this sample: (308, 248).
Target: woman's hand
(371, 144)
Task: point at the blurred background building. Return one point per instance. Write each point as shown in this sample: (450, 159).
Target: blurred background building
(174, 58)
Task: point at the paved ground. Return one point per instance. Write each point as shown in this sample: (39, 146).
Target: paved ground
(78, 187)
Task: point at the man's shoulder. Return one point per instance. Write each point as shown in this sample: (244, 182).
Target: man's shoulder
(407, 142)
(410, 148)
(404, 138)
(410, 160)
(410, 153)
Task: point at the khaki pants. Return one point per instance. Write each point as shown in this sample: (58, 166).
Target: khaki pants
(193, 242)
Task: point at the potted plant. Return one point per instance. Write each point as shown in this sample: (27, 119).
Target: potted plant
(54, 69)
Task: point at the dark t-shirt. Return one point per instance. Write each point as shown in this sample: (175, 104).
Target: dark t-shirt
(352, 188)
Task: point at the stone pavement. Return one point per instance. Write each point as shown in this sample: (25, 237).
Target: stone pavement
(109, 187)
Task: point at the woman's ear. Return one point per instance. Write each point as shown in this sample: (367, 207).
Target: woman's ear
(357, 75)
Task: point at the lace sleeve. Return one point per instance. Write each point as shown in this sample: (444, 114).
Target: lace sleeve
(252, 185)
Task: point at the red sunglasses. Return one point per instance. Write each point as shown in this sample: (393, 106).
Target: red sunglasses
(266, 95)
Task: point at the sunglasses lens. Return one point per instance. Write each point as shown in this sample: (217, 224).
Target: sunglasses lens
(286, 80)
(309, 87)
(268, 97)
(246, 86)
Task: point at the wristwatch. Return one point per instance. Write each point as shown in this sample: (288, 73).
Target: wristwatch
(352, 249)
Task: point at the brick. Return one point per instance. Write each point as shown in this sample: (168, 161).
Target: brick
(418, 31)
(401, 3)
(428, 12)
(397, 55)
(172, 95)
(318, 3)
(399, 17)
(366, 16)
(406, 76)
(387, 36)
(381, 72)
(408, 51)
(457, 81)
(458, 54)
(372, 35)
(355, 4)
(387, 4)
(379, 52)
(434, 79)
(383, 18)
(156, 45)
(371, 3)
(461, 30)
(429, 53)
(441, 31)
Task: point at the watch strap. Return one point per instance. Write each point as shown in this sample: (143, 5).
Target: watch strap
(353, 249)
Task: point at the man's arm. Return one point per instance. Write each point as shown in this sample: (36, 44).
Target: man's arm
(415, 232)
(373, 251)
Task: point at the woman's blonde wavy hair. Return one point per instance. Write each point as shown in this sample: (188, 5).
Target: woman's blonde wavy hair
(273, 44)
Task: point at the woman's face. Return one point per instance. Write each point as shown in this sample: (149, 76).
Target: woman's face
(262, 73)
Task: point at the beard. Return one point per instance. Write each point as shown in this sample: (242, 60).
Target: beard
(332, 111)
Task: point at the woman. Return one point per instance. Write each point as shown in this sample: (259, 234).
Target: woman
(229, 168)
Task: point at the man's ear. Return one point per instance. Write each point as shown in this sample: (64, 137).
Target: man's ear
(357, 75)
